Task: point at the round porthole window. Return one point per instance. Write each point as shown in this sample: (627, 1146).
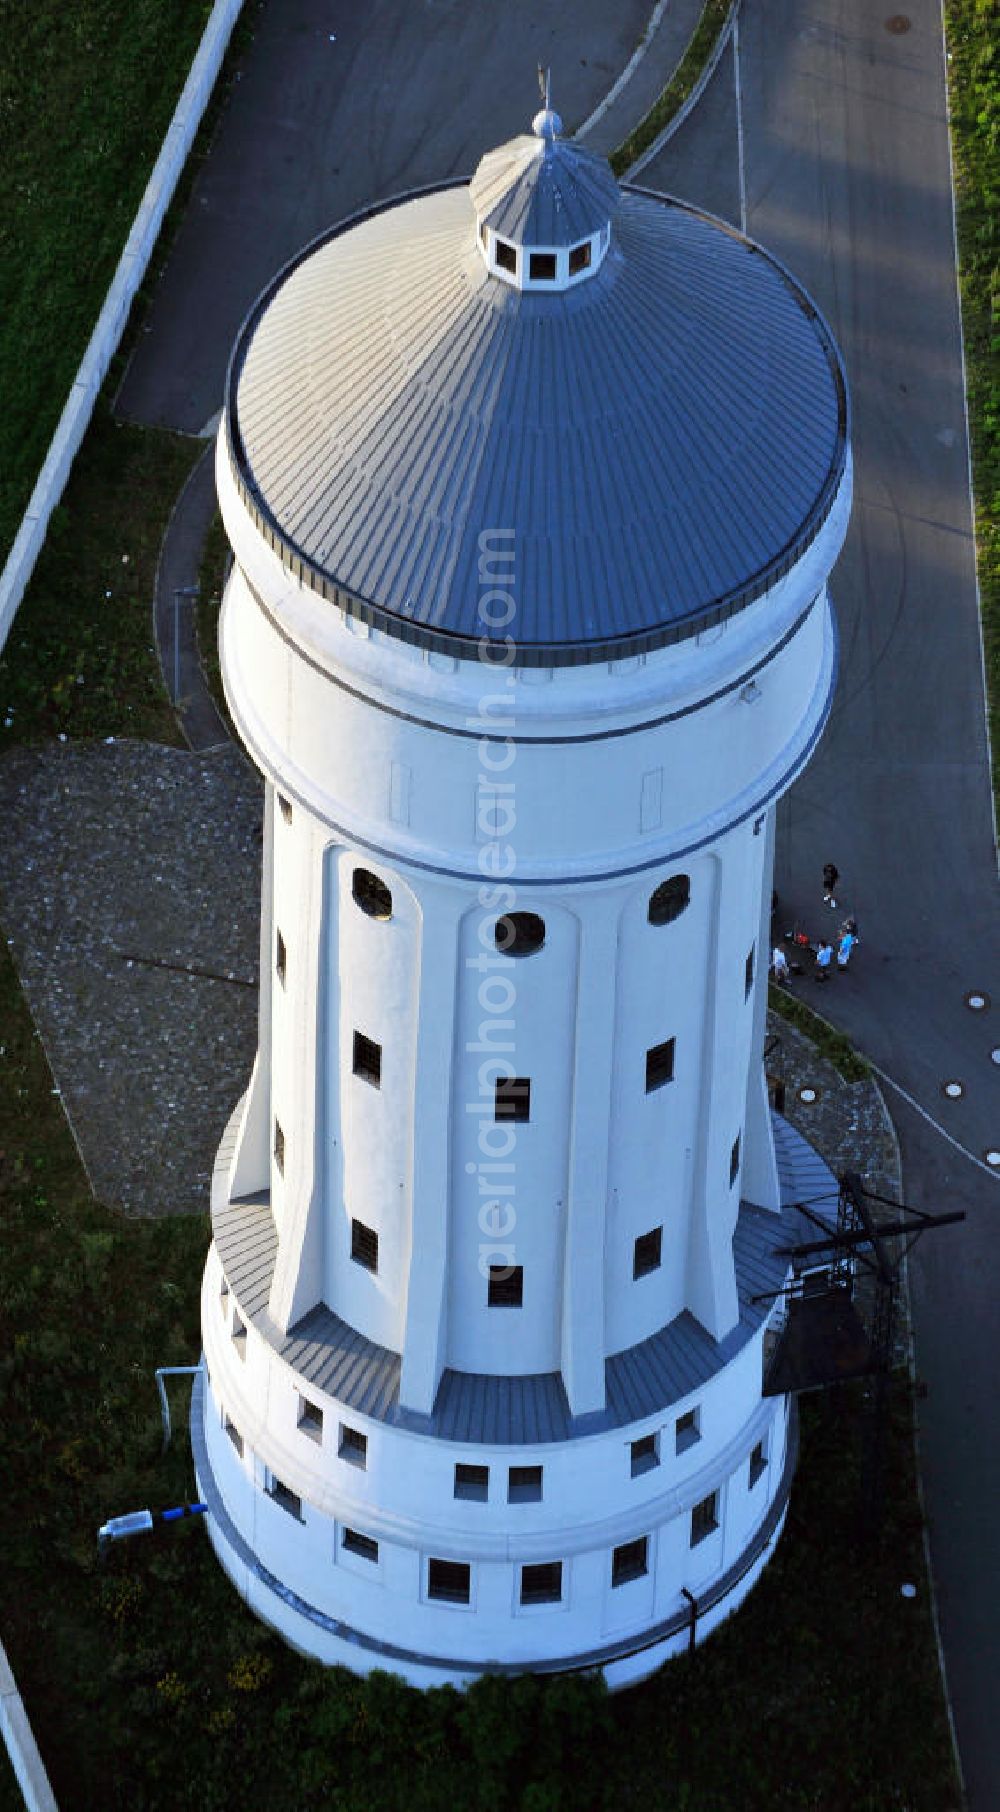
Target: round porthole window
(371, 894)
(670, 899)
(520, 933)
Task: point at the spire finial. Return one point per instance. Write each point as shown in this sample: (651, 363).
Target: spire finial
(546, 124)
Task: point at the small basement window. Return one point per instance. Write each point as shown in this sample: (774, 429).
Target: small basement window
(288, 1499)
(505, 255)
(669, 900)
(542, 267)
(450, 1580)
(660, 1065)
(524, 1485)
(519, 933)
(234, 1434)
(542, 1584)
(285, 806)
(648, 1249)
(645, 1454)
(353, 1447)
(364, 1245)
(310, 1418)
(224, 1297)
(579, 258)
(239, 1336)
(279, 1147)
(734, 1161)
(758, 1464)
(371, 894)
(280, 959)
(506, 1287)
(361, 1545)
(513, 1098)
(748, 973)
(629, 1561)
(687, 1431)
(368, 1060)
(704, 1518)
(473, 1483)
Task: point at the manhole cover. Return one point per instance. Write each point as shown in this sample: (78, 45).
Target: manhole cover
(897, 24)
(808, 1095)
(977, 1001)
(953, 1090)
(992, 1157)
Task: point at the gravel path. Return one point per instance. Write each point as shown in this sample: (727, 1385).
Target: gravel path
(129, 892)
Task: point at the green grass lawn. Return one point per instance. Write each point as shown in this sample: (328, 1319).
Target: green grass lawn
(973, 35)
(86, 93)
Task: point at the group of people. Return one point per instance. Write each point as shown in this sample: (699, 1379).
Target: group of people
(822, 949)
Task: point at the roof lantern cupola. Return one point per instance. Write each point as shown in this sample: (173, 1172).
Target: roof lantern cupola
(544, 208)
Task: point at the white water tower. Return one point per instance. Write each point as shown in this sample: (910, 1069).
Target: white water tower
(533, 487)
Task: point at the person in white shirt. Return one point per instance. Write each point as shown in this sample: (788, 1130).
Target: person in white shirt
(779, 965)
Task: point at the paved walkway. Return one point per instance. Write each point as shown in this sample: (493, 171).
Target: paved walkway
(832, 131)
(174, 609)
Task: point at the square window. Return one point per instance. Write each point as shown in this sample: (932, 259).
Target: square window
(646, 1256)
(629, 1561)
(362, 1545)
(450, 1580)
(353, 1446)
(704, 1518)
(279, 1147)
(734, 1161)
(542, 267)
(524, 1485)
(239, 1336)
(748, 974)
(505, 255)
(368, 1059)
(758, 1464)
(364, 1245)
(506, 1287)
(579, 258)
(473, 1483)
(660, 1065)
(542, 1584)
(310, 1418)
(287, 1499)
(513, 1098)
(688, 1430)
(280, 958)
(286, 808)
(645, 1454)
(234, 1434)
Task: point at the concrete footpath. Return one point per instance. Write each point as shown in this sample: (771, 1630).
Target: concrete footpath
(831, 129)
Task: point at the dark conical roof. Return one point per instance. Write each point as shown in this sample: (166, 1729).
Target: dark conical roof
(664, 440)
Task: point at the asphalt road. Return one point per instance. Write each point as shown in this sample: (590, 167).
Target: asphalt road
(846, 176)
(337, 106)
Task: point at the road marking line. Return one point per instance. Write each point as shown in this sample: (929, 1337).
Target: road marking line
(924, 1115)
